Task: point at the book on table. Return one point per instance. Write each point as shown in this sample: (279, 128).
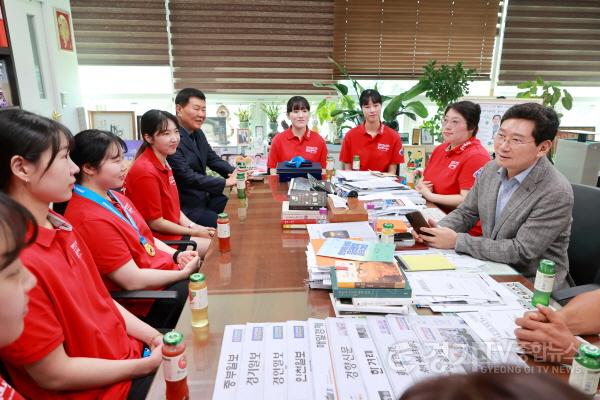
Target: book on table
(425, 262)
(368, 274)
(352, 292)
(358, 250)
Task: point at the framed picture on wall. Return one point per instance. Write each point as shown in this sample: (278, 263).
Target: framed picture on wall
(426, 137)
(416, 136)
(243, 135)
(63, 27)
(404, 136)
(415, 157)
(121, 123)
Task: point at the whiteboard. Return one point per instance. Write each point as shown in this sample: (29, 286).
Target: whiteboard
(492, 110)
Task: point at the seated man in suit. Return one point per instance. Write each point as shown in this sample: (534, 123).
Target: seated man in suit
(201, 196)
(523, 202)
(550, 335)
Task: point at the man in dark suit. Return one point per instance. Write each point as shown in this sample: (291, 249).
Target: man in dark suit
(201, 196)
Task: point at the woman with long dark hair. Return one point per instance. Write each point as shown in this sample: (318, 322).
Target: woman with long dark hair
(151, 186)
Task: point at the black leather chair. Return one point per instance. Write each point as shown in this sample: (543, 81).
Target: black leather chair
(584, 245)
(168, 296)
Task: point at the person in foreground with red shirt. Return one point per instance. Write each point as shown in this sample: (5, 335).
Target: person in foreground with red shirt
(128, 256)
(15, 280)
(454, 165)
(151, 186)
(298, 139)
(378, 146)
(77, 343)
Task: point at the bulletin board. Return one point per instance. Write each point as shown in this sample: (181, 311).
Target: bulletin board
(492, 109)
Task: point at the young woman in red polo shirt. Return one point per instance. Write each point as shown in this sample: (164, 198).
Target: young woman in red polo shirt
(15, 280)
(453, 165)
(378, 146)
(298, 139)
(77, 343)
(128, 256)
(151, 186)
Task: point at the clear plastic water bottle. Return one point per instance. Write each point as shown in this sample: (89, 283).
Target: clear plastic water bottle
(372, 216)
(322, 219)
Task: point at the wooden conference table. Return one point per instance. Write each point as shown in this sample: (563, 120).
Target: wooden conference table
(262, 279)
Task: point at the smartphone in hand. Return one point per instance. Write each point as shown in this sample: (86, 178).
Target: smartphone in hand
(417, 221)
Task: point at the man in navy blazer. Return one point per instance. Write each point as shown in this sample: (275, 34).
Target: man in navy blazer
(201, 196)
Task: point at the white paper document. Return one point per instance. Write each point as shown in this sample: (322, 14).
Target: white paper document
(299, 374)
(323, 383)
(345, 363)
(228, 372)
(275, 352)
(493, 325)
(252, 373)
(342, 230)
(371, 366)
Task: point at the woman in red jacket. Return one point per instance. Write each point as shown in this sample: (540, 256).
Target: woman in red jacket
(453, 166)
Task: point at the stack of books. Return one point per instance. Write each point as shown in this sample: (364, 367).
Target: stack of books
(360, 287)
(297, 219)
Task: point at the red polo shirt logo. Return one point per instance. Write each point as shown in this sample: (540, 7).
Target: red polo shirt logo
(453, 164)
(76, 250)
(383, 147)
(312, 149)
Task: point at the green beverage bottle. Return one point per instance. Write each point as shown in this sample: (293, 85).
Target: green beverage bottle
(585, 370)
(356, 163)
(241, 185)
(387, 233)
(544, 281)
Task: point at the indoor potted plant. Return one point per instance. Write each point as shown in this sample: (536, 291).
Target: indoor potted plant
(243, 115)
(272, 113)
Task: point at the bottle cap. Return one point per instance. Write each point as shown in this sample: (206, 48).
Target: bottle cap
(356, 157)
(370, 206)
(172, 338)
(589, 350)
(323, 211)
(223, 215)
(547, 266)
(197, 277)
(388, 225)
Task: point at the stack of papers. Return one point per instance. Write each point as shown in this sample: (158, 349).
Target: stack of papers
(349, 358)
(454, 291)
(318, 266)
(388, 204)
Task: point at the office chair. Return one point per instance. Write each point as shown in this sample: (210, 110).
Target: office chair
(169, 296)
(584, 245)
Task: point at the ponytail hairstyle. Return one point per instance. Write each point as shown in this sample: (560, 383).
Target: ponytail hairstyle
(152, 122)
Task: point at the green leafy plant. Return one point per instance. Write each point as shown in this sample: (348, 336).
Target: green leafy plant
(444, 85)
(345, 112)
(550, 94)
(271, 111)
(243, 114)
(398, 106)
